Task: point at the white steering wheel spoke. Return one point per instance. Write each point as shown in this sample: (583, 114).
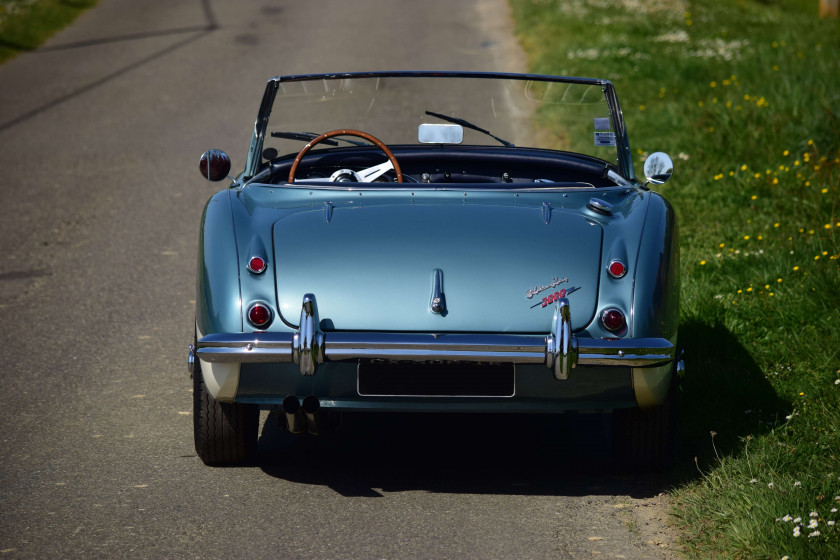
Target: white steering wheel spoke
(372, 173)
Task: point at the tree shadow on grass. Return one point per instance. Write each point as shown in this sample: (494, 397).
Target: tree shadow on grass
(723, 398)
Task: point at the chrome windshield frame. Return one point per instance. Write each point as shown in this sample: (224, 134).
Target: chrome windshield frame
(623, 154)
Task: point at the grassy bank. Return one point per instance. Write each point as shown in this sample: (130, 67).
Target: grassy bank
(745, 96)
(25, 24)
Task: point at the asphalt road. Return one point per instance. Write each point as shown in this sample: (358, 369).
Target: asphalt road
(100, 199)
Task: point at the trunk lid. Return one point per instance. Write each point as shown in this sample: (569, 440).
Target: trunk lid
(373, 268)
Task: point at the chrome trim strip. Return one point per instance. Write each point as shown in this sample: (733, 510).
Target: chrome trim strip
(309, 347)
(437, 305)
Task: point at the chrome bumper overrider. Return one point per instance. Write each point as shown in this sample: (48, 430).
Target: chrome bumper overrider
(309, 347)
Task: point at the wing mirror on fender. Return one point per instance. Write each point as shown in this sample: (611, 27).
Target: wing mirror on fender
(214, 165)
(658, 168)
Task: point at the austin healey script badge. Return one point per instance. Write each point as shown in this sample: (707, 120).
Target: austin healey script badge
(552, 297)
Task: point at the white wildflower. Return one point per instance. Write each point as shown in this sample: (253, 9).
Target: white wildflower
(796, 531)
(814, 534)
(798, 520)
(679, 36)
(813, 524)
(786, 518)
(753, 481)
(770, 485)
(797, 483)
(813, 514)
(833, 510)
(837, 381)
(830, 523)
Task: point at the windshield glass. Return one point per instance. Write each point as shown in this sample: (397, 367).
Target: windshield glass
(492, 110)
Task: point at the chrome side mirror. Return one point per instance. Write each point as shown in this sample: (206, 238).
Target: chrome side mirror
(658, 168)
(214, 165)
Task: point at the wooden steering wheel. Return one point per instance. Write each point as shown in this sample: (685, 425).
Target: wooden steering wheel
(346, 132)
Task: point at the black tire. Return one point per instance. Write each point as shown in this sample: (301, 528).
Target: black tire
(643, 439)
(225, 433)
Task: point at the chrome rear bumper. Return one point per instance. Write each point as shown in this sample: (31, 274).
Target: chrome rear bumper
(309, 347)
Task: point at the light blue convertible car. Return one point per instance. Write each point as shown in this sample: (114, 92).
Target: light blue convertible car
(436, 242)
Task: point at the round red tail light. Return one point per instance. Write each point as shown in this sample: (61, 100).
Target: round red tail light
(259, 315)
(613, 319)
(257, 265)
(617, 269)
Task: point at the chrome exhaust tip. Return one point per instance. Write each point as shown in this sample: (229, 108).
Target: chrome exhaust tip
(295, 421)
(311, 406)
(191, 359)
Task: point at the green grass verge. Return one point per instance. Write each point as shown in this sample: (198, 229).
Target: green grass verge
(745, 96)
(25, 24)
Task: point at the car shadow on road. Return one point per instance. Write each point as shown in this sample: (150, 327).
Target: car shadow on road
(455, 453)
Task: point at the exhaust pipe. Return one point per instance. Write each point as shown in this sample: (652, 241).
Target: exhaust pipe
(311, 406)
(294, 415)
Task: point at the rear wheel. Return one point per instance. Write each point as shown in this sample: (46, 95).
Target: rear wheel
(643, 438)
(225, 433)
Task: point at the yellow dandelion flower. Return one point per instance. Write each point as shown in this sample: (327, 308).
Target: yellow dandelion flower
(753, 197)
(757, 175)
(810, 232)
(702, 263)
(740, 291)
(744, 167)
(824, 191)
(771, 294)
(810, 142)
(731, 173)
(775, 68)
(722, 245)
(786, 153)
(688, 22)
(775, 181)
(779, 280)
(699, 103)
(728, 104)
(749, 289)
(641, 107)
(795, 268)
(746, 237)
(796, 163)
(746, 97)
(760, 238)
(727, 82)
(713, 84)
(827, 226)
(817, 257)
(767, 286)
(776, 224)
(774, 44)
(825, 253)
(817, 167)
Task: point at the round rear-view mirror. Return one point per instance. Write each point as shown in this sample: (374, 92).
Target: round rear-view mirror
(214, 165)
(658, 168)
